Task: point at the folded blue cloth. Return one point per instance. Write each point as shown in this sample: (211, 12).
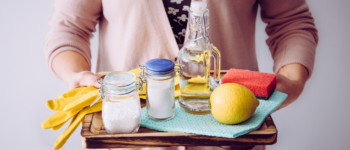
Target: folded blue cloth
(207, 125)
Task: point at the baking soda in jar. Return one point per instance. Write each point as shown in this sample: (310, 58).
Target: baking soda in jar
(160, 96)
(121, 115)
(121, 109)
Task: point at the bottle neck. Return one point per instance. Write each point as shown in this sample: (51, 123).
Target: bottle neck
(198, 24)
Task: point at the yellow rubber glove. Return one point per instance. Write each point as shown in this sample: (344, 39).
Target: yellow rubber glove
(58, 126)
(61, 140)
(59, 118)
(177, 88)
(71, 103)
(68, 97)
(82, 100)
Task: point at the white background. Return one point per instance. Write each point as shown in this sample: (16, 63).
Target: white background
(318, 120)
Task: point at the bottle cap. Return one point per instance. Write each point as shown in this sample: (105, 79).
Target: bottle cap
(198, 7)
(159, 66)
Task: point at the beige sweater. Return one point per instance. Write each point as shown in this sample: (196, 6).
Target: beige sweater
(134, 31)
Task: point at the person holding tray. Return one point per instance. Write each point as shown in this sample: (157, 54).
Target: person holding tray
(132, 32)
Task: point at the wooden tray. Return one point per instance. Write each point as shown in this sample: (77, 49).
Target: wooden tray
(94, 136)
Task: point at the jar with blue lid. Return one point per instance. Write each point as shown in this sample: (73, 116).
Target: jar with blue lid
(160, 98)
(121, 109)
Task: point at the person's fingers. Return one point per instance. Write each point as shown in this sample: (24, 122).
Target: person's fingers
(84, 78)
(88, 78)
(291, 87)
(73, 85)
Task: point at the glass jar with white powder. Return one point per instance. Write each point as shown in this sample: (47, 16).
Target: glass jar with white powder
(159, 77)
(121, 107)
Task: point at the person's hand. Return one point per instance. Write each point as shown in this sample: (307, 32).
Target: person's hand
(291, 80)
(83, 78)
(291, 87)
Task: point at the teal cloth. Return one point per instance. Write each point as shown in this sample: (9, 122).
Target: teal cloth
(207, 125)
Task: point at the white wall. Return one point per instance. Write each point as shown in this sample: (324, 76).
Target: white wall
(318, 120)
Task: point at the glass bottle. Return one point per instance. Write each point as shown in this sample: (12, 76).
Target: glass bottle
(159, 77)
(121, 109)
(194, 60)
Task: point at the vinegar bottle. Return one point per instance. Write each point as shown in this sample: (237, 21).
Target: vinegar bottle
(194, 60)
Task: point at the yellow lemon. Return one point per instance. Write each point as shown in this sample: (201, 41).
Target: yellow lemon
(232, 103)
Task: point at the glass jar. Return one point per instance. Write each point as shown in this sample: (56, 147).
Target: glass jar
(195, 62)
(121, 109)
(159, 77)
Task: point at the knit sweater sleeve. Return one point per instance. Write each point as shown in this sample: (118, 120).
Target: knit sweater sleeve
(292, 33)
(72, 26)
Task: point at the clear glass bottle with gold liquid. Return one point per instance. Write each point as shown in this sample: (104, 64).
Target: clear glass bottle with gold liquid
(195, 59)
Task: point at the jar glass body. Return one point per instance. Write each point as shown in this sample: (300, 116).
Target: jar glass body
(160, 101)
(121, 109)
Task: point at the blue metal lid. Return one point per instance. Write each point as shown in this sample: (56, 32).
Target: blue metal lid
(159, 66)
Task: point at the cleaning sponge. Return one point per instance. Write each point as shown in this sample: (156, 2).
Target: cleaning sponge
(261, 84)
